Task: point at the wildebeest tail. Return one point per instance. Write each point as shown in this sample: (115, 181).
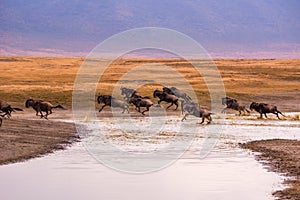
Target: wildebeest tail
(276, 110)
(17, 109)
(59, 106)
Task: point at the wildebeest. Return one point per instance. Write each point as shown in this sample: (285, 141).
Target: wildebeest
(263, 108)
(7, 109)
(177, 92)
(141, 102)
(108, 100)
(41, 106)
(128, 93)
(195, 109)
(169, 98)
(233, 104)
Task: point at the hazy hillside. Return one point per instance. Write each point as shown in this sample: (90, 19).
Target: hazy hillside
(77, 26)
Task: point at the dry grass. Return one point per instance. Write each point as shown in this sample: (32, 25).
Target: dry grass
(52, 78)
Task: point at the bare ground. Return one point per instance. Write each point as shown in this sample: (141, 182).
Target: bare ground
(22, 139)
(282, 156)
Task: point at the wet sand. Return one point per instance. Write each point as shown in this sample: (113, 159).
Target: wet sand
(23, 139)
(282, 156)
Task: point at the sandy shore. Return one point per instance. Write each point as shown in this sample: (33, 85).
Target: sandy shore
(281, 156)
(22, 139)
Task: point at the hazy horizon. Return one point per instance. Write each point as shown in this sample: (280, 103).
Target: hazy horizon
(226, 29)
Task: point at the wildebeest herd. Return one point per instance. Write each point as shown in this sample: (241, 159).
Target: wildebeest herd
(172, 96)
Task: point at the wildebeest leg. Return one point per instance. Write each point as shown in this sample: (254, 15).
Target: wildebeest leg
(277, 115)
(184, 117)
(42, 114)
(139, 108)
(176, 103)
(145, 110)
(223, 111)
(47, 113)
(280, 113)
(170, 105)
(102, 108)
(261, 115)
(125, 108)
(209, 119)
(0, 122)
(266, 115)
(202, 120)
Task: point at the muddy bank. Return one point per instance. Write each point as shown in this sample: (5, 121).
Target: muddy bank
(22, 139)
(282, 156)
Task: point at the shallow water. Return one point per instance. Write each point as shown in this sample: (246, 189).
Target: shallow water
(226, 173)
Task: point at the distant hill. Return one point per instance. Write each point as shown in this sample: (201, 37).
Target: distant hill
(225, 27)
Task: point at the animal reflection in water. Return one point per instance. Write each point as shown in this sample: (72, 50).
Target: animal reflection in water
(41, 106)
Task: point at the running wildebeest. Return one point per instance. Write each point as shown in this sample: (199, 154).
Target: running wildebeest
(128, 93)
(7, 109)
(177, 92)
(263, 108)
(41, 106)
(234, 105)
(194, 109)
(141, 102)
(169, 98)
(108, 100)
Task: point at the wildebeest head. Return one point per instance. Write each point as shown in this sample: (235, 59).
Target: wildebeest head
(100, 99)
(28, 102)
(254, 105)
(228, 100)
(156, 92)
(106, 99)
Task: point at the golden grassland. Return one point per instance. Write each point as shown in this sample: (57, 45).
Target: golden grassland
(52, 78)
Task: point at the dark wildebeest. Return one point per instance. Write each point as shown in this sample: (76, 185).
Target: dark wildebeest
(194, 109)
(177, 92)
(108, 100)
(263, 108)
(141, 102)
(234, 105)
(7, 109)
(169, 98)
(128, 93)
(41, 106)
